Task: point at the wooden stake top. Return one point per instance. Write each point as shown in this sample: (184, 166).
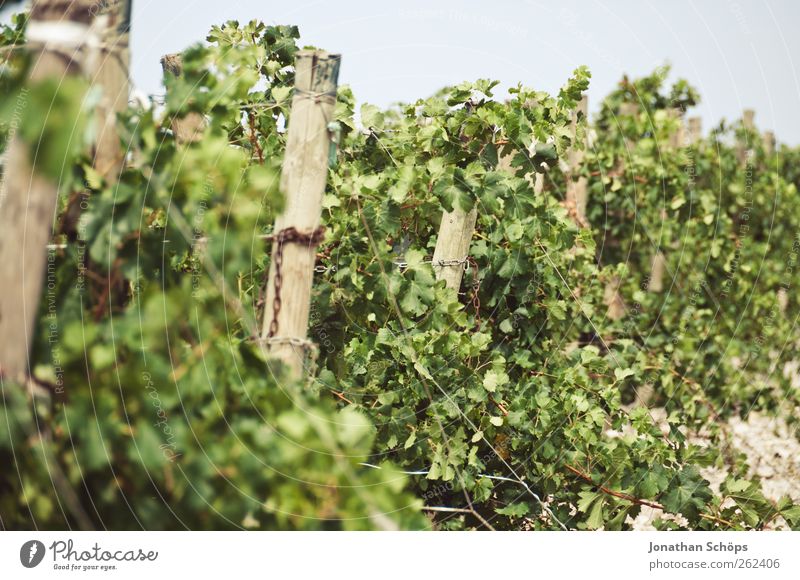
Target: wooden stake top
(172, 64)
(118, 13)
(748, 119)
(316, 71)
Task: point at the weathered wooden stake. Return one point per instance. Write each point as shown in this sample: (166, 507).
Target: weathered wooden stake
(748, 119)
(454, 237)
(611, 296)
(769, 142)
(745, 148)
(305, 172)
(576, 196)
(783, 299)
(452, 246)
(538, 183)
(677, 138)
(613, 299)
(111, 74)
(658, 265)
(694, 130)
(57, 36)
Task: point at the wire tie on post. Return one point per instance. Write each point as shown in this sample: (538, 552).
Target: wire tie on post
(316, 96)
(310, 350)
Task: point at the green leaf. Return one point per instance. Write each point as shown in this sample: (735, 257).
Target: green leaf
(677, 202)
(621, 374)
(595, 519)
(371, 117)
(493, 379)
(514, 510)
(514, 231)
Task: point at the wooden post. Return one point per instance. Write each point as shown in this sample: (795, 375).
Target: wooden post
(189, 128)
(629, 110)
(676, 139)
(658, 265)
(783, 299)
(744, 149)
(454, 237)
(452, 245)
(57, 35)
(611, 296)
(538, 183)
(111, 74)
(769, 142)
(577, 188)
(305, 172)
(694, 130)
(612, 299)
(748, 119)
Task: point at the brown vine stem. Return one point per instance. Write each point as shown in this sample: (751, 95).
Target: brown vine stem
(711, 518)
(636, 500)
(618, 494)
(254, 139)
(342, 397)
(500, 406)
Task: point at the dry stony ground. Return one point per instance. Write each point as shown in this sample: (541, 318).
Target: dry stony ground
(772, 448)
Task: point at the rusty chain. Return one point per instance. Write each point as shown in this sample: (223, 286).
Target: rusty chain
(476, 283)
(287, 235)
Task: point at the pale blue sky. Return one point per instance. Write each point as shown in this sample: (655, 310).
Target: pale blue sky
(739, 53)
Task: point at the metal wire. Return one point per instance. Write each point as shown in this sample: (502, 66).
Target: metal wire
(493, 477)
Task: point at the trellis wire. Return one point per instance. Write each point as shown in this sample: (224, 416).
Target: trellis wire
(493, 477)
